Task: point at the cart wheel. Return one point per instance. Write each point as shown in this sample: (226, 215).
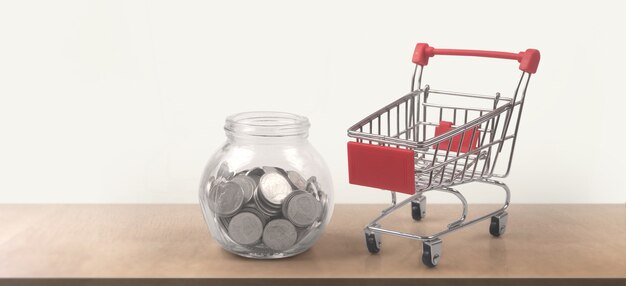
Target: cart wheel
(431, 252)
(373, 242)
(418, 208)
(498, 224)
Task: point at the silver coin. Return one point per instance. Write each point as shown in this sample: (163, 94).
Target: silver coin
(208, 186)
(281, 171)
(259, 214)
(250, 204)
(268, 169)
(323, 197)
(224, 221)
(274, 187)
(278, 170)
(245, 228)
(247, 184)
(256, 172)
(279, 235)
(215, 186)
(228, 199)
(288, 198)
(255, 179)
(304, 231)
(324, 201)
(296, 180)
(242, 173)
(209, 183)
(303, 209)
(313, 187)
(262, 206)
(224, 171)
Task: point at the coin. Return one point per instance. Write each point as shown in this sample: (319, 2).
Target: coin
(313, 187)
(207, 186)
(281, 171)
(259, 214)
(245, 228)
(268, 169)
(262, 206)
(323, 197)
(215, 185)
(242, 173)
(224, 221)
(250, 204)
(278, 170)
(228, 199)
(224, 171)
(324, 201)
(279, 234)
(274, 187)
(288, 198)
(222, 225)
(298, 182)
(247, 184)
(209, 182)
(256, 172)
(303, 209)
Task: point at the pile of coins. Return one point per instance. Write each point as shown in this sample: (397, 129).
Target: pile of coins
(265, 207)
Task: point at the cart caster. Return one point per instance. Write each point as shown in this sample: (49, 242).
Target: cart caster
(418, 208)
(372, 240)
(498, 224)
(431, 252)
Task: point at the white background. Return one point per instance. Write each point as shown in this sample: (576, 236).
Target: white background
(124, 101)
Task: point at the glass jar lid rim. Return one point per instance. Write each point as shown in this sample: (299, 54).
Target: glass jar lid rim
(267, 123)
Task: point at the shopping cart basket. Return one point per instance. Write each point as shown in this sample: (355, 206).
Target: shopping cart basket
(422, 142)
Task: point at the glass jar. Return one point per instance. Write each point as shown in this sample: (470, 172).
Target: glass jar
(266, 193)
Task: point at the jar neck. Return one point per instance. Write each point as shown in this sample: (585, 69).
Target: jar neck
(267, 127)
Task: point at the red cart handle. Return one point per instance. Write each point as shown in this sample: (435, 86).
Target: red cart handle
(529, 60)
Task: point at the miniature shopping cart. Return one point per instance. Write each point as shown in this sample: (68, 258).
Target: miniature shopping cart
(434, 140)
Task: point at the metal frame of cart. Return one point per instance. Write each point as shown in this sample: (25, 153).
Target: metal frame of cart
(422, 142)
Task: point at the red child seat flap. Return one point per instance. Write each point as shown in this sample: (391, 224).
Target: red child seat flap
(468, 144)
(381, 167)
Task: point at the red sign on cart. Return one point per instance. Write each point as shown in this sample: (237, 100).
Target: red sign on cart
(381, 167)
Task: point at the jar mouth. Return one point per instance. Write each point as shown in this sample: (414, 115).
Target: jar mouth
(267, 124)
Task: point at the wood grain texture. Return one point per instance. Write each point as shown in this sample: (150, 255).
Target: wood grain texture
(172, 241)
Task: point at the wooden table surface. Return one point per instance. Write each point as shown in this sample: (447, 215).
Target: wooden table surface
(556, 241)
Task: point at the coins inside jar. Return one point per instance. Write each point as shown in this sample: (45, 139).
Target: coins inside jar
(280, 234)
(226, 198)
(302, 209)
(245, 228)
(265, 208)
(296, 180)
(274, 187)
(247, 184)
